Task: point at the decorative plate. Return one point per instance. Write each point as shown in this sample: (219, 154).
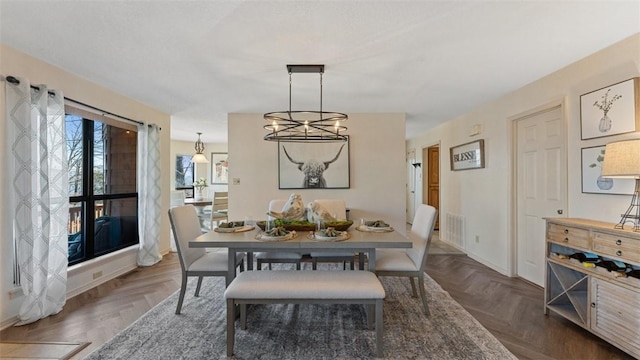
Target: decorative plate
(235, 229)
(264, 237)
(374, 229)
(320, 237)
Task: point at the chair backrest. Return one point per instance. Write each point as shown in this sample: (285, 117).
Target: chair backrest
(220, 201)
(335, 207)
(186, 227)
(424, 222)
(177, 198)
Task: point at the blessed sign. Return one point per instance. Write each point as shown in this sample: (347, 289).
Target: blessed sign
(467, 156)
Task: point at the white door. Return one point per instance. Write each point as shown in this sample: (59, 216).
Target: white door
(540, 186)
(411, 185)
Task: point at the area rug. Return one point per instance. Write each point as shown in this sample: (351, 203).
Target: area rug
(40, 349)
(306, 331)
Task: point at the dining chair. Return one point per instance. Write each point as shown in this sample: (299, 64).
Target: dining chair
(219, 207)
(338, 209)
(177, 199)
(196, 261)
(276, 257)
(411, 262)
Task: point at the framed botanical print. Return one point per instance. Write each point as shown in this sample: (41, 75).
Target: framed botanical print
(313, 165)
(593, 182)
(611, 110)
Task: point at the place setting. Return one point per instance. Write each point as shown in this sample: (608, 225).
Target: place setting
(272, 232)
(233, 227)
(374, 226)
(329, 234)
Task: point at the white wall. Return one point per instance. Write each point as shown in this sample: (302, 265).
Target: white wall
(378, 176)
(484, 196)
(81, 278)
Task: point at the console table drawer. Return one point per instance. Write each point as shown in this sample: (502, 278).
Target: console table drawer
(617, 246)
(568, 235)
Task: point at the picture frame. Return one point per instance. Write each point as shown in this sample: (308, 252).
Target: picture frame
(467, 156)
(184, 172)
(611, 110)
(593, 182)
(219, 168)
(313, 165)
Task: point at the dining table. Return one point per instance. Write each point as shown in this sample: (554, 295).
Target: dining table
(362, 242)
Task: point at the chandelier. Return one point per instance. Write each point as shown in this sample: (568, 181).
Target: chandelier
(305, 125)
(199, 156)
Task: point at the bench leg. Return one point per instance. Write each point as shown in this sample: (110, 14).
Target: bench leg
(231, 319)
(379, 328)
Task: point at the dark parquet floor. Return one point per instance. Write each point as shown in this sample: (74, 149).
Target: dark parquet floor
(510, 308)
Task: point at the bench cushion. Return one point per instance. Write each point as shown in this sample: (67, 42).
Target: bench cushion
(305, 285)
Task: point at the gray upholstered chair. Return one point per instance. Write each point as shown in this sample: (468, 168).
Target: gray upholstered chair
(411, 262)
(196, 261)
(270, 257)
(338, 209)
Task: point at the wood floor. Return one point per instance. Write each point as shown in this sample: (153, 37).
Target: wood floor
(510, 308)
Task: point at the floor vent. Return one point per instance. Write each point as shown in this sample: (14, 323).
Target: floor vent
(455, 229)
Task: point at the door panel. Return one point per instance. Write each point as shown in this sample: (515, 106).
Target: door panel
(433, 179)
(540, 186)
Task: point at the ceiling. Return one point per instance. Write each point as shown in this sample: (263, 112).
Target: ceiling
(200, 60)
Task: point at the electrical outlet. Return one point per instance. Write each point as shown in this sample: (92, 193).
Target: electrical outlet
(236, 181)
(477, 238)
(97, 274)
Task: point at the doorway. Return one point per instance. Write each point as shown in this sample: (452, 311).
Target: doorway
(431, 187)
(541, 185)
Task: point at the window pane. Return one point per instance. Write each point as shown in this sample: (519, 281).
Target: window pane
(77, 247)
(184, 171)
(114, 160)
(117, 225)
(74, 153)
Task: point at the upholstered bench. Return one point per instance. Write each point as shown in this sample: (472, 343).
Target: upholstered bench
(304, 287)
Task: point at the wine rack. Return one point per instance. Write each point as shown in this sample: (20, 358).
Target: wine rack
(603, 302)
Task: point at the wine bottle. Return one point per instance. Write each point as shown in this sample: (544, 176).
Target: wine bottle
(585, 257)
(613, 265)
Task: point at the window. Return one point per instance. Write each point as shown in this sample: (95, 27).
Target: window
(103, 209)
(185, 174)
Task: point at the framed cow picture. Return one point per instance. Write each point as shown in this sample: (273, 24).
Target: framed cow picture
(313, 165)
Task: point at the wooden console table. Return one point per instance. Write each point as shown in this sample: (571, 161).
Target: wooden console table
(592, 297)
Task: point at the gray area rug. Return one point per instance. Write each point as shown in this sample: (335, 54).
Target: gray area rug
(306, 331)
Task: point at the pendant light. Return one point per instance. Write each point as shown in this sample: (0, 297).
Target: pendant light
(199, 157)
(305, 125)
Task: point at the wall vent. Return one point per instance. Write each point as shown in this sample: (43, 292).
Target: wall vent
(455, 229)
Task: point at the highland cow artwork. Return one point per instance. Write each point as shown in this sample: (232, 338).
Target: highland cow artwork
(313, 165)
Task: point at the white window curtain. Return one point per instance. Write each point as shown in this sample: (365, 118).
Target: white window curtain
(39, 195)
(149, 200)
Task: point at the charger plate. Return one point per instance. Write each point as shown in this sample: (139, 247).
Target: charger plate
(315, 236)
(264, 237)
(235, 229)
(365, 228)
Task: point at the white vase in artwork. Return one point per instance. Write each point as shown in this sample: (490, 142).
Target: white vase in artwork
(605, 123)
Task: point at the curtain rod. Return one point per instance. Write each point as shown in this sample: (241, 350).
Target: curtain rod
(15, 81)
